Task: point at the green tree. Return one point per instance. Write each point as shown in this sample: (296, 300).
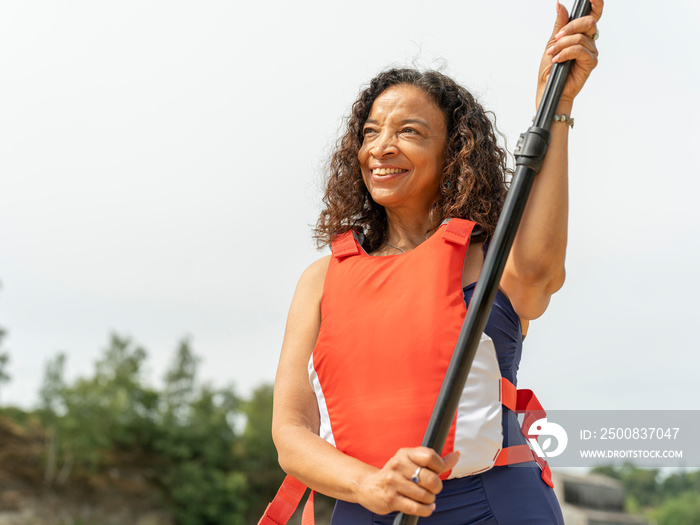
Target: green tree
(679, 482)
(211, 452)
(680, 510)
(196, 442)
(4, 360)
(127, 405)
(204, 484)
(609, 471)
(52, 389)
(180, 381)
(50, 406)
(93, 416)
(205, 496)
(642, 485)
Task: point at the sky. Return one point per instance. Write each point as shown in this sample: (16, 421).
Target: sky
(160, 168)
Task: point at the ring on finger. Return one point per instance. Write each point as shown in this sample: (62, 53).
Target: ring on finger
(596, 35)
(416, 475)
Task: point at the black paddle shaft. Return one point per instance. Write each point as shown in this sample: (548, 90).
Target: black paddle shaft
(529, 156)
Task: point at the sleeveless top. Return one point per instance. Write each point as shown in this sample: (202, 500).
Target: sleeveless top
(388, 329)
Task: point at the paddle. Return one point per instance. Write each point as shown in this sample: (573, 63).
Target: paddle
(529, 155)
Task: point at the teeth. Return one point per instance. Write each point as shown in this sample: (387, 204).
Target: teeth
(386, 171)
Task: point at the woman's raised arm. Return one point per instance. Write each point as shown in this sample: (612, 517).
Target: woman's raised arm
(535, 267)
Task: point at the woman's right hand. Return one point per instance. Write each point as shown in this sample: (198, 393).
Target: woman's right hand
(391, 488)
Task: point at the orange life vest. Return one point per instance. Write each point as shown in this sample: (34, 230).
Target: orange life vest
(388, 329)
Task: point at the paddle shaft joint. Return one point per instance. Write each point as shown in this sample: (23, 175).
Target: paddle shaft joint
(531, 148)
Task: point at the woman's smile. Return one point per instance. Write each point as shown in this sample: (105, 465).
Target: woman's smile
(380, 175)
(387, 171)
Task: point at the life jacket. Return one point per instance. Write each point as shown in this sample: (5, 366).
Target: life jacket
(388, 330)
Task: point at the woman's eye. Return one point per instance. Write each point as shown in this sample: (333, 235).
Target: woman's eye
(408, 130)
(367, 131)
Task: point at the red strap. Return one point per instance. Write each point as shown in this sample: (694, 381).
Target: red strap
(546, 472)
(458, 231)
(307, 518)
(286, 501)
(513, 455)
(523, 401)
(521, 454)
(345, 245)
(532, 408)
(528, 402)
(509, 394)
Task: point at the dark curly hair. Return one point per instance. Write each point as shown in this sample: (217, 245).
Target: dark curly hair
(474, 177)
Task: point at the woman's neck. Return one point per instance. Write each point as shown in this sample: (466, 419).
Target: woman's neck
(407, 231)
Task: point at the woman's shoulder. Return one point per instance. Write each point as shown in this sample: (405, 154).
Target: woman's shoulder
(313, 277)
(307, 296)
(318, 267)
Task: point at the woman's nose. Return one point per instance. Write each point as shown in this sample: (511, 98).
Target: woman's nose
(384, 146)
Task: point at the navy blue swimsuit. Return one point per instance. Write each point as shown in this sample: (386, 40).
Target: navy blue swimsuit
(506, 495)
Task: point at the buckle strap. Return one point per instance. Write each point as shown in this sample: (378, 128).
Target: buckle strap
(458, 231)
(509, 394)
(285, 503)
(345, 245)
(307, 517)
(528, 404)
(514, 455)
(546, 471)
(522, 454)
(521, 402)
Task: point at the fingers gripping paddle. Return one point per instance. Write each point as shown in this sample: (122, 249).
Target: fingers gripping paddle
(529, 156)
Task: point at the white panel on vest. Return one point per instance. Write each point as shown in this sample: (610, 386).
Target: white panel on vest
(479, 431)
(325, 430)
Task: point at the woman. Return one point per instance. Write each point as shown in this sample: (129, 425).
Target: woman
(371, 326)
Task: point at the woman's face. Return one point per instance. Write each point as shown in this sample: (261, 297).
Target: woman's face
(402, 152)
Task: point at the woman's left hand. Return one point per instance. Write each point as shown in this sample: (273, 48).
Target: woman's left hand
(571, 41)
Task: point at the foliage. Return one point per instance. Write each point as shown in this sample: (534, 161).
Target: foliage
(674, 500)
(112, 409)
(4, 360)
(682, 482)
(641, 485)
(211, 452)
(210, 471)
(683, 509)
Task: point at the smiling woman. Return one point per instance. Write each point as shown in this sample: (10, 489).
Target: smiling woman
(471, 179)
(413, 194)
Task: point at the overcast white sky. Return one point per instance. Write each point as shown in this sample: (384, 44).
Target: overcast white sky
(160, 161)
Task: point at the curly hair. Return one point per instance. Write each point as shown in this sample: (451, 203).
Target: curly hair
(474, 177)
